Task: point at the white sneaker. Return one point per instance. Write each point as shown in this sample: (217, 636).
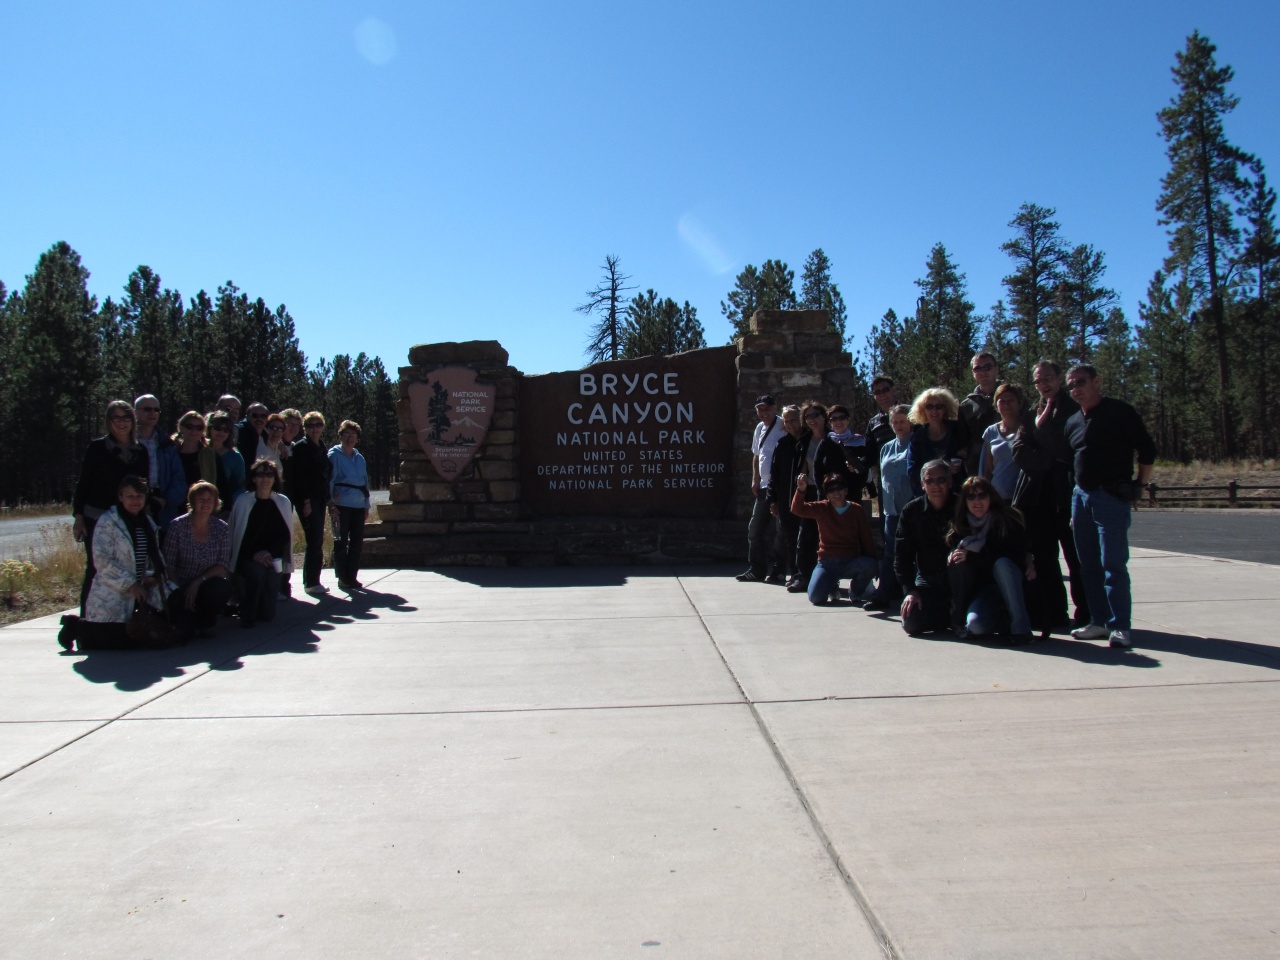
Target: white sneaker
(317, 590)
(1120, 640)
(1091, 631)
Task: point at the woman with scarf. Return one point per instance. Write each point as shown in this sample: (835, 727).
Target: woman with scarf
(988, 563)
(107, 461)
(129, 570)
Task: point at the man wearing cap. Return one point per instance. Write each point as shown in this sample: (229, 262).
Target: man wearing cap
(761, 552)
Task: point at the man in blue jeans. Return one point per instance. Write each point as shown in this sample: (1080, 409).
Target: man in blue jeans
(1105, 434)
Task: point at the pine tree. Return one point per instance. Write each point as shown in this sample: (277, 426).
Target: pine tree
(1037, 252)
(1259, 318)
(1083, 302)
(657, 327)
(817, 292)
(769, 288)
(944, 323)
(1198, 193)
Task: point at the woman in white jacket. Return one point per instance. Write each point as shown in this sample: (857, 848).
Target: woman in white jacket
(128, 570)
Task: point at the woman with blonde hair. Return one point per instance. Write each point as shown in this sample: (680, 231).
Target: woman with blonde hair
(938, 435)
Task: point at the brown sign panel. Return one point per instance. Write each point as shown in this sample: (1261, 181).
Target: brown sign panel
(451, 414)
(631, 438)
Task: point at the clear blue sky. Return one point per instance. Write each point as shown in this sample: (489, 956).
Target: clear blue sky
(407, 172)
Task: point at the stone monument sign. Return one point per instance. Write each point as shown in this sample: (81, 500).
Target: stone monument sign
(630, 438)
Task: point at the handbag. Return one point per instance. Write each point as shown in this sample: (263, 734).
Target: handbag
(148, 627)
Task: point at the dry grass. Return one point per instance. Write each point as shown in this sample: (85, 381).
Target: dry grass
(45, 580)
(1199, 473)
(25, 510)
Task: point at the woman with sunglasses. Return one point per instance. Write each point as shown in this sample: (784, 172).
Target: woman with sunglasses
(261, 542)
(107, 461)
(938, 435)
(198, 460)
(988, 563)
(221, 428)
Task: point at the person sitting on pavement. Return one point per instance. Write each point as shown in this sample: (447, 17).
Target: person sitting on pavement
(988, 562)
(895, 493)
(920, 552)
(845, 546)
(261, 542)
(129, 571)
(198, 548)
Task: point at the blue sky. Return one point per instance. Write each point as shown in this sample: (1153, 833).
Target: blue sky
(399, 173)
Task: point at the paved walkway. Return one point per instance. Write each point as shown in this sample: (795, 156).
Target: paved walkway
(607, 763)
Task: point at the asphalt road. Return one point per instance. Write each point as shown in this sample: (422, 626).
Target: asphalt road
(1234, 534)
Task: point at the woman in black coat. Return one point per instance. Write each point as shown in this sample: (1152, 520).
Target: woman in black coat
(988, 564)
(107, 461)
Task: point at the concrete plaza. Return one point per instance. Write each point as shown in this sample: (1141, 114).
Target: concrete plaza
(586, 763)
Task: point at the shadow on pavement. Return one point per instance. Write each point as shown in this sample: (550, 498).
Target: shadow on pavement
(134, 670)
(1154, 641)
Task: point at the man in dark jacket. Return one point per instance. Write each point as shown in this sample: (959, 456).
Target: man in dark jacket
(787, 464)
(920, 553)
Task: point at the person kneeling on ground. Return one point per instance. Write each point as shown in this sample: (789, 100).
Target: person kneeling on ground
(920, 552)
(845, 546)
(198, 547)
(261, 542)
(987, 564)
(128, 571)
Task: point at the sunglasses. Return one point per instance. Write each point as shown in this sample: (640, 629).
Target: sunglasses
(838, 416)
(120, 418)
(977, 496)
(935, 481)
(935, 406)
(260, 475)
(148, 409)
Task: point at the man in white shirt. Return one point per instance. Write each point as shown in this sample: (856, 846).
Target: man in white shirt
(761, 551)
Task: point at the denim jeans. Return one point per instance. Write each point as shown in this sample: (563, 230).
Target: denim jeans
(829, 572)
(986, 606)
(313, 530)
(259, 587)
(888, 589)
(1100, 522)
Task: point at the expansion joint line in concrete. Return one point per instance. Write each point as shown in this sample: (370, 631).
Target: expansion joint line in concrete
(851, 885)
(138, 706)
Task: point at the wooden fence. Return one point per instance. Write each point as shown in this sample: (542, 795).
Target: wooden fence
(1233, 494)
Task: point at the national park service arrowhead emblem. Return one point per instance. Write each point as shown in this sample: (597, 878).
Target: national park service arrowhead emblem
(451, 414)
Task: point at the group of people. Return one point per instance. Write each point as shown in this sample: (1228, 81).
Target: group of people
(977, 500)
(202, 522)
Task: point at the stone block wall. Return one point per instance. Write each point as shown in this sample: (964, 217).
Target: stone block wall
(790, 355)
